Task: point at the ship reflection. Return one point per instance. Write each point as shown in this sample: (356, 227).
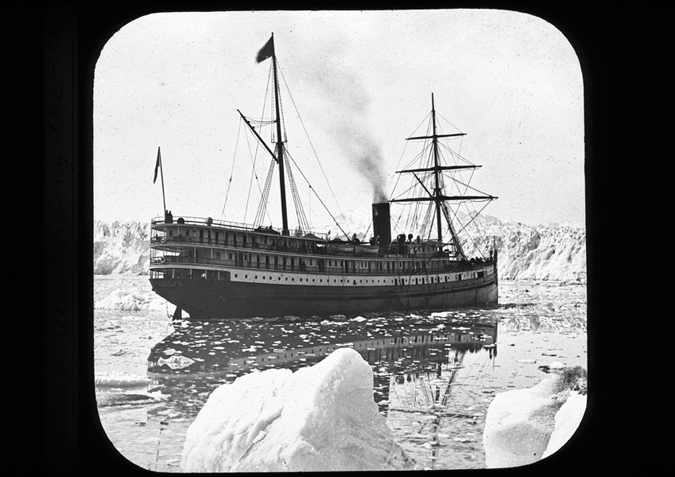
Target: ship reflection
(199, 356)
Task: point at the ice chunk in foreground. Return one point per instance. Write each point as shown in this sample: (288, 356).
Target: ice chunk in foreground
(524, 425)
(320, 418)
(567, 421)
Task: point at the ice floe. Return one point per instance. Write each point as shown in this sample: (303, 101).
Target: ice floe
(524, 425)
(320, 418)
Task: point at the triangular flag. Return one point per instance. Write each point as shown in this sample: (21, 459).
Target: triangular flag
(157, 164)
(266, 51)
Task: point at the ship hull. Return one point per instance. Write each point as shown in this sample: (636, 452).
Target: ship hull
(210, 299)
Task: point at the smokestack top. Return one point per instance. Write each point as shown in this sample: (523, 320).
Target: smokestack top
(381, 224)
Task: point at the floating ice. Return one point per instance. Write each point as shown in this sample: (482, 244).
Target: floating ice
(520, 423)
(120, 381)
(320, 418)
(567, 421)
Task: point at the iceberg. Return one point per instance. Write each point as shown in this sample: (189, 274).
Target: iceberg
(567, 421)
(524, 425)
(320, 418)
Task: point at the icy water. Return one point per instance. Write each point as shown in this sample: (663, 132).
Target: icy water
(435, 374)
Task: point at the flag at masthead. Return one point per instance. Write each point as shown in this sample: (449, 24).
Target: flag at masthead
(266, 51)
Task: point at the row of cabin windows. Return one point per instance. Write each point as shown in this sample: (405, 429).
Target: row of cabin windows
(243, 239)
(395, 281)
(291, 261)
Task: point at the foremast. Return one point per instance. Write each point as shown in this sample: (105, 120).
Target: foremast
(267, 51)
(280, 144)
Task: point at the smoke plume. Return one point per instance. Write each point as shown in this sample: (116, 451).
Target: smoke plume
(348, 121)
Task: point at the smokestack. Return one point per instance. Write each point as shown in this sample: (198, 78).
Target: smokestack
(381, 224)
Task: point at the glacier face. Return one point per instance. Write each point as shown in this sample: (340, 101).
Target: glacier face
(556, 253)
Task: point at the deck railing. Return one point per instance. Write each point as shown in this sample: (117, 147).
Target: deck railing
(226, 224)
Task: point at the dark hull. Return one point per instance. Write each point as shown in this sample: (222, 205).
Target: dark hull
(217, 299)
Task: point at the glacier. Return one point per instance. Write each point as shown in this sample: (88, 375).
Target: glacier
(544, 252)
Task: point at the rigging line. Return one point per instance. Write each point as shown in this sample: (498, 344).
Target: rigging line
(262, 205)
(473, 218)
(475, 245)
(253, 174)
(229, 183)
(253, 171)
(264, 194)
(447, 121)
(403, 153)
(302, 123)
(299, 211)
(454, 153)
(318, 197)
(487, 196)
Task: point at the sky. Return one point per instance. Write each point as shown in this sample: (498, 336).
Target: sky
(360, 83)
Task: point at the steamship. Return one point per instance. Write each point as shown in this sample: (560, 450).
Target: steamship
(217, 269)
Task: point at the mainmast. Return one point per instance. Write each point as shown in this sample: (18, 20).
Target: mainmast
(437, 196)
(437, 190)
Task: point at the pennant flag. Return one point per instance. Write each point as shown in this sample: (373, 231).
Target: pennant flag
(266, 51)
(157, 164)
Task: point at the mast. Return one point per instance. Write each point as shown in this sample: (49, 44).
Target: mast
(437, 190)
(280, 145)
(437, 196)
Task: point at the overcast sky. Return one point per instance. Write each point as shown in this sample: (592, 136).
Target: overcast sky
(361, 83)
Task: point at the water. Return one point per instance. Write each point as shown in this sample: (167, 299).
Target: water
(434, 373)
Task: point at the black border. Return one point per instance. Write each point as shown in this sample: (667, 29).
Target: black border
(74, 442)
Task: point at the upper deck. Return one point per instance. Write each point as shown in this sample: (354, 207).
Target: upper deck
(190, 241)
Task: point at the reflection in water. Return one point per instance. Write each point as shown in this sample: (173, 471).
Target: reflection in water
(427, 352)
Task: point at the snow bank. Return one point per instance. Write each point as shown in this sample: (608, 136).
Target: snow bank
(320, 418)
(524, 425)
